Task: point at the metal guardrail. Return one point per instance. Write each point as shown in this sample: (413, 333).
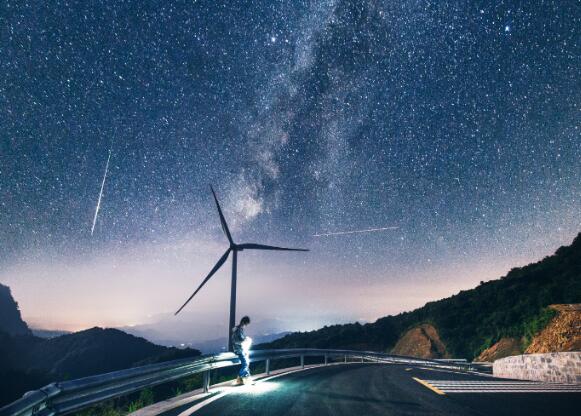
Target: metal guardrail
(70, 396)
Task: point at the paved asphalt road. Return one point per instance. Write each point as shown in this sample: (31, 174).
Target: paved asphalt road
(378, 389)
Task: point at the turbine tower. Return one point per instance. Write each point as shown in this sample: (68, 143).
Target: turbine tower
(234, 249)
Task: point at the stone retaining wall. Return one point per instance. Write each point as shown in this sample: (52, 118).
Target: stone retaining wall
(554, 367)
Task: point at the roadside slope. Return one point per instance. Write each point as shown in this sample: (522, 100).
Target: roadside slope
(563, 333)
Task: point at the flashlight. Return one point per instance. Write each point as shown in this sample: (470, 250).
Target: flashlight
(246, 344)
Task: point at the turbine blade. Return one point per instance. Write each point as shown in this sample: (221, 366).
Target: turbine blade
(253, 246)
(214, 270)
(222, 219)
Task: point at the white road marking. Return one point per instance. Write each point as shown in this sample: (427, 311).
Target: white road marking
(502, 386)
(429, 386)
(462, 372)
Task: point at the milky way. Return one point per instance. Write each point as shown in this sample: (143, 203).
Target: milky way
(459, 124)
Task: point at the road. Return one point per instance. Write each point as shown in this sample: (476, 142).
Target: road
(379, 389)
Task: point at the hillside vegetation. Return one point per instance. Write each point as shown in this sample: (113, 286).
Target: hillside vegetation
(515, 306)
(563, 333)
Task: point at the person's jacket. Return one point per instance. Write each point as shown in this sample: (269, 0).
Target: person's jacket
(238, 336)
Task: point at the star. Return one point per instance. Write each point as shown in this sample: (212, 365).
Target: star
(307, 118)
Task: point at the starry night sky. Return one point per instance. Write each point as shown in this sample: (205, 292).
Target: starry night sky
(457, 122)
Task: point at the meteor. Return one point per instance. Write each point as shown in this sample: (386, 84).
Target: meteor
(369, 230)
(100, 193)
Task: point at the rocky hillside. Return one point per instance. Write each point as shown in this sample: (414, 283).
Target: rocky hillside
(422, 341)
(563, 333)
(514, 306)
(10, 320)
(503, 348)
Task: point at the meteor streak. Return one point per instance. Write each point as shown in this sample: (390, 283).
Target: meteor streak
(100, 193)
(370, 230)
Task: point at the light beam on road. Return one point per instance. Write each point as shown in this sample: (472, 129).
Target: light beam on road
(257, 389)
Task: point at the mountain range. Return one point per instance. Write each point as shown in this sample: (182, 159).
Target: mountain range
(202, 333)
(516, 306)
(28, 362)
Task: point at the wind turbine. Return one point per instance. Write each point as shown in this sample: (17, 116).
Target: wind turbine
(234, 249)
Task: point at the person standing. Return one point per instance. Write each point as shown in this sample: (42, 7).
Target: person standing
(241, 345)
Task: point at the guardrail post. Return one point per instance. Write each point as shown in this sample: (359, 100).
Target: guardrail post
(326, 359)
(345, 358)
(206, 382)
(268, 366)
(361, 358)
(302, 361)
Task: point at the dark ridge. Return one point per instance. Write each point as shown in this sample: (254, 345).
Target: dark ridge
(10, 320)
(30, 362)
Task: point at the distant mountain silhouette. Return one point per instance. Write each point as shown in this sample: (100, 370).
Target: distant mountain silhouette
(514, 306)
(221, 344)
(48, 333)
(94, 351)
(201, 331)
(28, 362)
(10, 320)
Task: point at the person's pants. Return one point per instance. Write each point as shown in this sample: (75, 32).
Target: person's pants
(245, 362)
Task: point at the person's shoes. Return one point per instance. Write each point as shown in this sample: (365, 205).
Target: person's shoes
(248, 381)
(238, 381)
